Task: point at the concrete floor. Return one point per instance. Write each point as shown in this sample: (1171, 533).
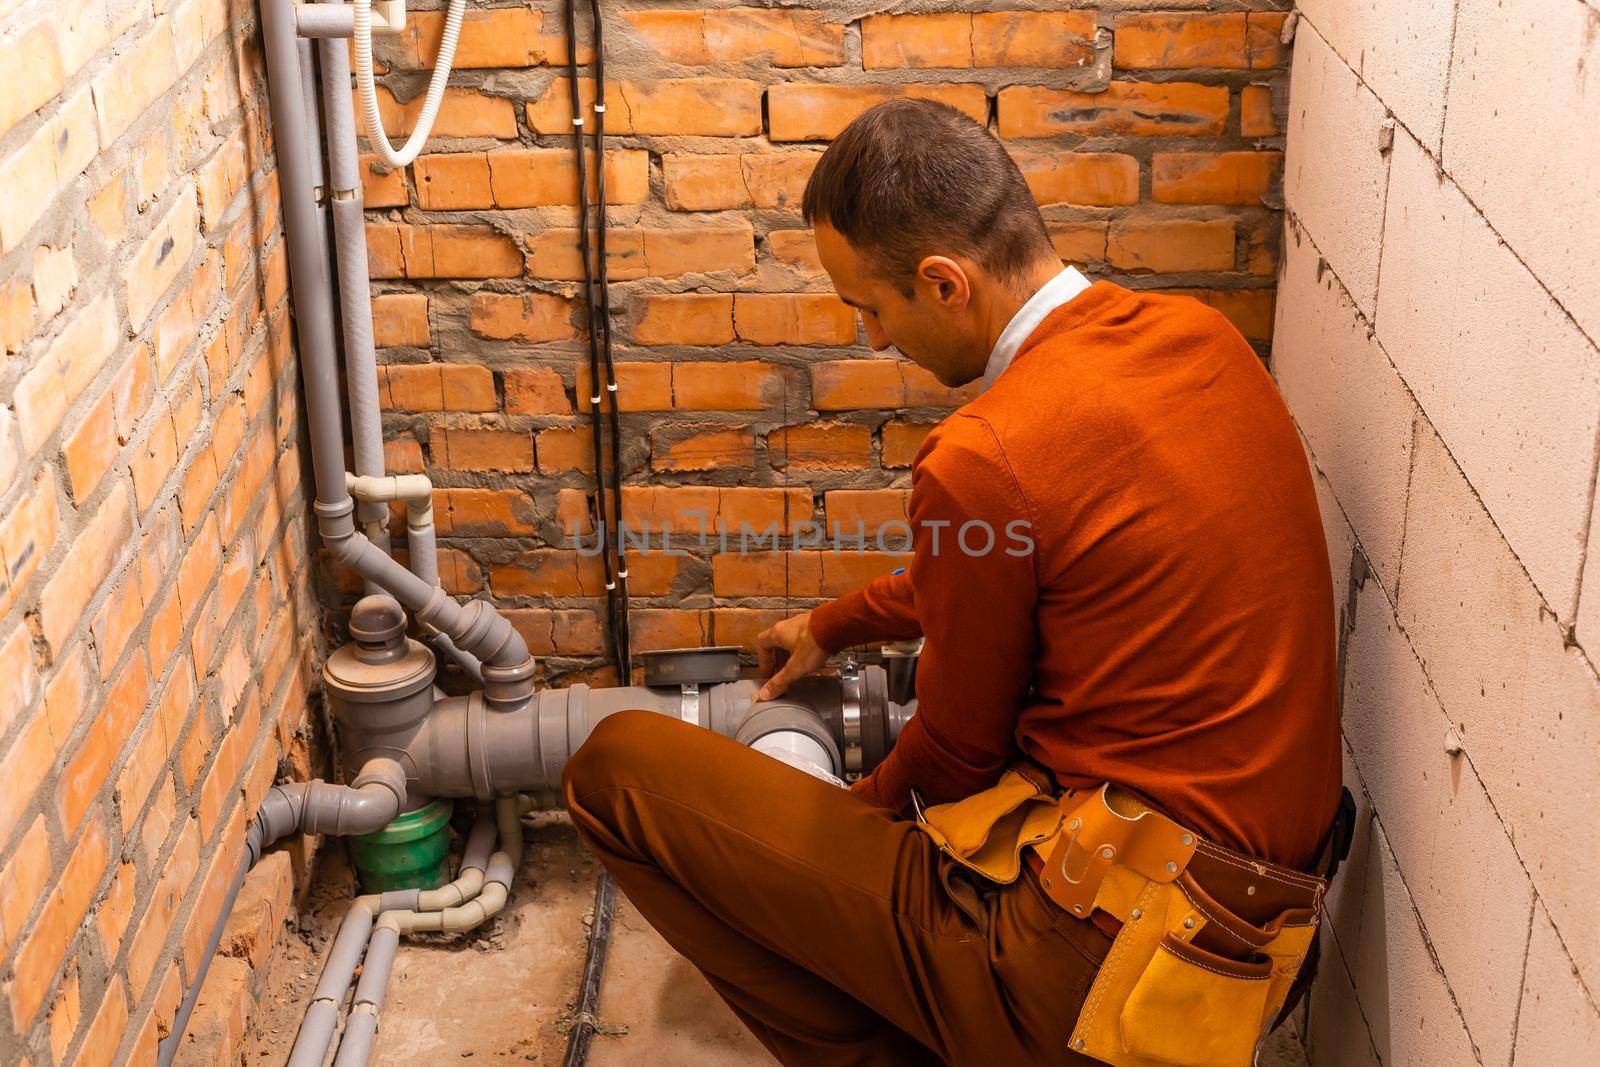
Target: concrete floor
(504, 995)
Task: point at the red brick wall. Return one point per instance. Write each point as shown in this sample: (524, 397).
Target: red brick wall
(157, 627)
(155, 614)
(1150, 136)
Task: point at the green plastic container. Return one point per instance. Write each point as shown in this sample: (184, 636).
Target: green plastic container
(410, 853)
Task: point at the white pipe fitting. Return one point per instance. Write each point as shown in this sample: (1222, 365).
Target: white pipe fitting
(406, 487)
(414, 490)
(338, 20)
(800, 751)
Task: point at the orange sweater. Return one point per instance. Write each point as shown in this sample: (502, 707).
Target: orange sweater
(1171, 629)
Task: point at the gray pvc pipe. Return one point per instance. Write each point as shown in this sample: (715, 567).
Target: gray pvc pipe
(167, 1049)
(360, 1030)
(322, 1016)
(360, 363)
(476, 627)
(462, 748)
(319, 807)
(308, 100)
(355, 295)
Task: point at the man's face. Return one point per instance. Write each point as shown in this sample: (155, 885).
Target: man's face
(932, 327)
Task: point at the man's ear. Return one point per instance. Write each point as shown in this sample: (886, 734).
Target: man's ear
(944, 281)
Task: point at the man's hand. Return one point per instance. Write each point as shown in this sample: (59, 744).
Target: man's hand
(787, 651)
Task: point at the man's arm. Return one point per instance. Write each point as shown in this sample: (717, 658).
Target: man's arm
(975, 590)
(882, 610)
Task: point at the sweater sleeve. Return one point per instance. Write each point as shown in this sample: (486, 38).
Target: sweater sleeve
(975, 591)
(881, 610)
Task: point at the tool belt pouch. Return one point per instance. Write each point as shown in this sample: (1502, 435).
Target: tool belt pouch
(987, 831)
(1187, 982)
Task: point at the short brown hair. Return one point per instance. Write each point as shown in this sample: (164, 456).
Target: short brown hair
(912, 178)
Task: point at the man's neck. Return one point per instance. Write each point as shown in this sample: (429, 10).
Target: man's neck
(1007, 300)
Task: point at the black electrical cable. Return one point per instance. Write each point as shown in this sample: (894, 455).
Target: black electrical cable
(597, 300)
(584, 1021)
(623, 633)
(591, 306)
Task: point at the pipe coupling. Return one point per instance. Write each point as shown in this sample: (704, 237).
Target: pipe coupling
(382, 488)
(336, 524)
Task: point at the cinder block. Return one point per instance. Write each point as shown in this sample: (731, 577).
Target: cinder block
(1335, 169)
(1348, 401)
(1522, 143)
(1337, 1034)
(1526, 705)
(1587, 627)
(1401, 48)
(1504, 376)
(1342, 909)
(1406, 1002)
(1559, 1018)
(1444, 832)
(1341, 540)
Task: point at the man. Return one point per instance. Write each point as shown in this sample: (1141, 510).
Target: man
(1150, 606)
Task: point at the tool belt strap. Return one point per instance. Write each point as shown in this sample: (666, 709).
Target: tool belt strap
(1110, 827)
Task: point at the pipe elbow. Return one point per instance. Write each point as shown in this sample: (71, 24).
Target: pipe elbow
(282, 811)
(336, 525)
(369, 804)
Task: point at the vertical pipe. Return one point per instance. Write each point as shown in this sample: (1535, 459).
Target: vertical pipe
(313, 305)
(355, 295)
(319, 179)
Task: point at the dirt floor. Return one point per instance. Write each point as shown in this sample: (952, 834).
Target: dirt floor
(504, 995)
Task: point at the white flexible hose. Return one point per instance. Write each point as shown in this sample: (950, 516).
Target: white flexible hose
(377, 137)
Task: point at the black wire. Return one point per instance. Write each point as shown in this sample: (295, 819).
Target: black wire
(597, 299)
(623, 631)
(584, 1021)
(591, 309)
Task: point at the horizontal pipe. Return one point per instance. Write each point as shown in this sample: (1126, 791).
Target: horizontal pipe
(387, 487)
(322, 1016)
(318, 807)
(338, 20)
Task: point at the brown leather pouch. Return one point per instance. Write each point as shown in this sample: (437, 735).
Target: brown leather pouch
(987, 832)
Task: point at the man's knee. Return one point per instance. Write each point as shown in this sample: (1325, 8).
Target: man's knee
(619, 751)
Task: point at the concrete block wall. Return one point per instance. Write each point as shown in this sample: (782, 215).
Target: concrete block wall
(157, 624)
(1150, 131)
(1436, 341)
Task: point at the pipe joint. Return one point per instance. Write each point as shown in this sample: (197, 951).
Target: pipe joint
(407, 488)
(338, 20)
(500, 871)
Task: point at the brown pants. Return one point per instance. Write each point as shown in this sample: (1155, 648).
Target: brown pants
(836, 932)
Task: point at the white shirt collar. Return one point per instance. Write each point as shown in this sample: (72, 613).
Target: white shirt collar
(1057, 291)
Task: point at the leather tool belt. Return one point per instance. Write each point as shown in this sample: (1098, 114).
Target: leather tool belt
(1211, 940)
